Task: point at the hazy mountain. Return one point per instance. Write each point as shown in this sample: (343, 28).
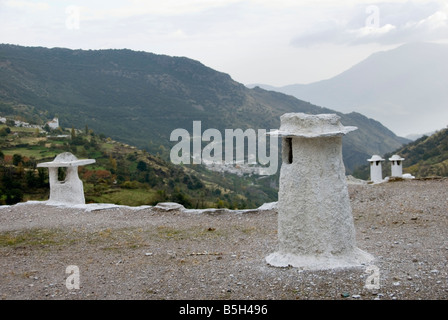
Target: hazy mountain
(140, 98)
(405, 88)
(416, 136)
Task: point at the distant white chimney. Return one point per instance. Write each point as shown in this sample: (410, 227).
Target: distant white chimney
(396, 165)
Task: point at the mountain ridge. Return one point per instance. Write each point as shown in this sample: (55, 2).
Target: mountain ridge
(139, 98)
(390, 86)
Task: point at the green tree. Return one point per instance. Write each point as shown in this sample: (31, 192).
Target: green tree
(31, 180)
(13, 196)
(4, 131)
(42, 177)
(141, 166)
(113, 164)
(16, 159)
(182, 199)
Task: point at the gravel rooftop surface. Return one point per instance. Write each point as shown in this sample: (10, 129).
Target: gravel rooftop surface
(147, 253)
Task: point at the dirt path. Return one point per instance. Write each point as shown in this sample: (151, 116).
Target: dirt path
(124, 253)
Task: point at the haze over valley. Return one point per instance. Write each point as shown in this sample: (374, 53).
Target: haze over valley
(404, 88)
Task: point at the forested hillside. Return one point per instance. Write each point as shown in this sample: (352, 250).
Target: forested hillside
(425, 157)
(139, 98)
(122, 174)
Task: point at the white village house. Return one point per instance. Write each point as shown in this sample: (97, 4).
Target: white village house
(53, 124)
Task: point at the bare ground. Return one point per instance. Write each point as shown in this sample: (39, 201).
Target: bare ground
(124, 253)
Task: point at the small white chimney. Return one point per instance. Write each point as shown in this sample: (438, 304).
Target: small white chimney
(396, 165)
(376, 171)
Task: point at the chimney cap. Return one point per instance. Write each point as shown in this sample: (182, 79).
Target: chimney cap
(375, 158)
(311, 126)
(65, 159)
(396, 157)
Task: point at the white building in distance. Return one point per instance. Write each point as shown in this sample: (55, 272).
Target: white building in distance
(53, 124)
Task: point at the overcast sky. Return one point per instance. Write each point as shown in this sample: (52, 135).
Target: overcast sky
(277, 42)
